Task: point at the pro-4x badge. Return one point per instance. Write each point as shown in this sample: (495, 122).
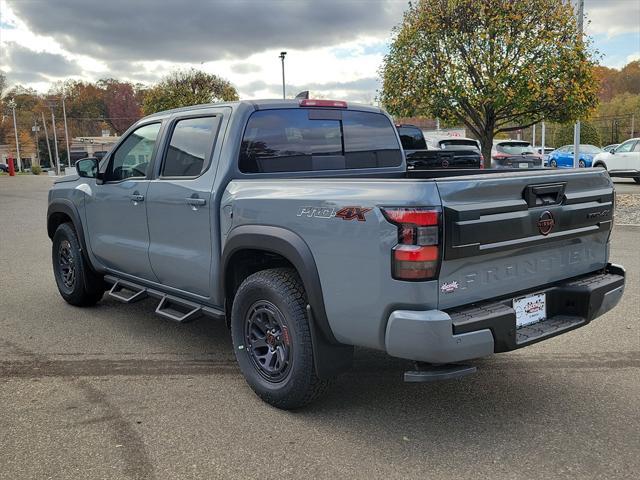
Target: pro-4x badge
(353, 213)
(345, 213)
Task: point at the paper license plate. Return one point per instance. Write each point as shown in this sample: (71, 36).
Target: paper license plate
(530, 309)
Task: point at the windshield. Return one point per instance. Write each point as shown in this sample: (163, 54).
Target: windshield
(514, 148)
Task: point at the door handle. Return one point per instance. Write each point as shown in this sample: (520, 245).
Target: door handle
(136, 197)
(196, 202)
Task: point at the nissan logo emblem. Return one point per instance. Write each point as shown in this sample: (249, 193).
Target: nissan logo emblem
(546, 222)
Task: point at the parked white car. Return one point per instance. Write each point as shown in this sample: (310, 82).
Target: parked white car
(622, 161)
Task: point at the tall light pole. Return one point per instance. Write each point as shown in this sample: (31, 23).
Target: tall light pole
(282, 54)
(576, 128)
(66, 132)
(542, 139)
(46, 135)
(12, 106)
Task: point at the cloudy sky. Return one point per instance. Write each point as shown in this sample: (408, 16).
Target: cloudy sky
(334, 46)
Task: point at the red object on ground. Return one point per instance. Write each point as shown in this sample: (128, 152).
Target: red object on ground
(12, 168)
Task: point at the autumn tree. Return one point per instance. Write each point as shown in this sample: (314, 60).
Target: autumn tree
(121, 103)
(4, 109)
(493, 65)
(183, 88)
(628, 80)
(84, 102)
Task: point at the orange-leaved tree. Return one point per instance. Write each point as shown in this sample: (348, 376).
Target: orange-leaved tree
(493, 65)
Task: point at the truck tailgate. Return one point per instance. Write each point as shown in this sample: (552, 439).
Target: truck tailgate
(520, 231)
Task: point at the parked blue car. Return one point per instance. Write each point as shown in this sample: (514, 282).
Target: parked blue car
(563, 157)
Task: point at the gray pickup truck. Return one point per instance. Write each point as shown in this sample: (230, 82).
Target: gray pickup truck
(298, 223)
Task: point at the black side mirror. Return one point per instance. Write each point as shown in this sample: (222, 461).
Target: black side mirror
(87, 167)
(612, 151)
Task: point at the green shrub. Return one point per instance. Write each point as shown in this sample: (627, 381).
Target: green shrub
(36, 169)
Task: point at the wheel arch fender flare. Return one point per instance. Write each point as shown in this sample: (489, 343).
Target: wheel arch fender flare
(331, 357)
(66, 207)
(600, 163)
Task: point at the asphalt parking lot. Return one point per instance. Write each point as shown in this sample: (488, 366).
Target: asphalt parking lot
(115, 392)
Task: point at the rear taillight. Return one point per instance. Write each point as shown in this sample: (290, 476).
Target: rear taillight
(417, 254)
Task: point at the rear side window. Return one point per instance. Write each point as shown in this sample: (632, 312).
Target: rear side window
(191, 143)
(412, 138)
(298, 140)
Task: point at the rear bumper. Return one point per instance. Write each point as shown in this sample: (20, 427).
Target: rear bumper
(435, 336)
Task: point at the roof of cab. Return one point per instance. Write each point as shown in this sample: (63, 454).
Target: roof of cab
(265, 104)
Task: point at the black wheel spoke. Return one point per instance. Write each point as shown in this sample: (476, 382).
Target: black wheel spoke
(66, 265)
(265, 342)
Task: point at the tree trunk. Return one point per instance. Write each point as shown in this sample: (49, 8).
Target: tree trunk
(487, 145)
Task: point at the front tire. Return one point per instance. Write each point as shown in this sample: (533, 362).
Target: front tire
(637, 179)
(553, 164)
(77, 283)
(582, 164)
(272, 339)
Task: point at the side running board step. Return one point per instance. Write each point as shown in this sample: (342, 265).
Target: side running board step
(127, 292)
(170, 307)
(178, 310)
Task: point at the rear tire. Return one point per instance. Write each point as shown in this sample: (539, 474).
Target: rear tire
(272, 339)
(77, 283)
(637, 179)
(582, 164)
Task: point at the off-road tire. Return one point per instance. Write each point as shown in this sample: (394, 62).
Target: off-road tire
(282, 289)
(86, 287)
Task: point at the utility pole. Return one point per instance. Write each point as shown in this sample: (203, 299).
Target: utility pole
(66, 132)
(46, 135)
(282, 54)
(12, 105)
(55, 137)
(35, 130)
(576, 129)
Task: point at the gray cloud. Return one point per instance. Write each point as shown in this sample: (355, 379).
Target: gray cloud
(360, 90)
(613, 16)
(132, 71)
(244, 68)
(203, 30)
(30, 66)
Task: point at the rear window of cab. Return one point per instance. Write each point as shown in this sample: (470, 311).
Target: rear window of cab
(304, 139)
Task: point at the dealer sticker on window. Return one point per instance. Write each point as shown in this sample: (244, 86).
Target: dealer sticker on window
(530, 309)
